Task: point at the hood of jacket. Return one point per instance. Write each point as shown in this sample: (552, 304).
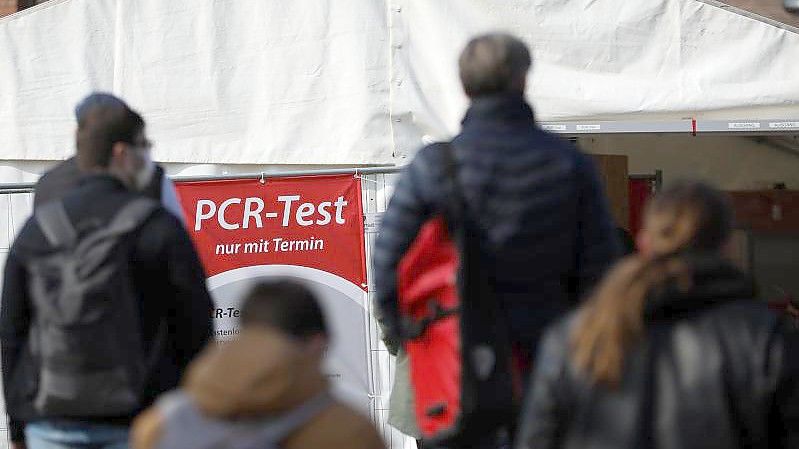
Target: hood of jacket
(710, 280)
(260, 373)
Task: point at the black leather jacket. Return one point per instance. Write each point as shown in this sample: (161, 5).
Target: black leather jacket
(715, 370)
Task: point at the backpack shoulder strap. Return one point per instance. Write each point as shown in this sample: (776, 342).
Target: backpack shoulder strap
(132, 215)
(455, 207)
(129, 218)
(279, 428)
(55, 224)
(170, 404)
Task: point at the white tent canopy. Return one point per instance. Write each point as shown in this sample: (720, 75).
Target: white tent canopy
(364, 81)
(232, 86)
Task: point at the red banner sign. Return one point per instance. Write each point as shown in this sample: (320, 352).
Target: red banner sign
(305, 228)
(314, 222)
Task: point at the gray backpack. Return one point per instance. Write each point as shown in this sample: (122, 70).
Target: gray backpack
(185, 427)
(86, 337)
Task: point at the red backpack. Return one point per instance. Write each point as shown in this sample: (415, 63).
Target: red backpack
(454, 328)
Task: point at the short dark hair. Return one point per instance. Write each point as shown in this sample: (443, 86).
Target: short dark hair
(103, 120)
(284, 305)
(691, 215)
(493, 63)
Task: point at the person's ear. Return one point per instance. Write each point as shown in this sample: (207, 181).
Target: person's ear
(120, 165)
(118, 152)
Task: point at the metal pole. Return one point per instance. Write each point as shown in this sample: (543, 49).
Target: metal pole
(13, 188)
(28, 187)
(292, 173)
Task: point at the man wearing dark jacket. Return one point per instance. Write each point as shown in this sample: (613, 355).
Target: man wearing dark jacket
(168, 280)
(539, 201)
(538, 198)
(61, 179)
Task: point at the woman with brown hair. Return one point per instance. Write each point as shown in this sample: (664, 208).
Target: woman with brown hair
(672, 351)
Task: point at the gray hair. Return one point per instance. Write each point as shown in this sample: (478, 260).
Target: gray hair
(494, 63)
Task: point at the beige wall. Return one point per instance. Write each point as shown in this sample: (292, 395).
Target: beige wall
(729, 162)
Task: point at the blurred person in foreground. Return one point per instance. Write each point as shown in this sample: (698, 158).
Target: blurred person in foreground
(266, 389)
(672, 351)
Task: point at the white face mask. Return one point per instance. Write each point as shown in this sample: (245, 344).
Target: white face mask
(145, 174)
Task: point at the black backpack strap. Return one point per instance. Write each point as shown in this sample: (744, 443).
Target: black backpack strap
(454, 208)
(55, 225)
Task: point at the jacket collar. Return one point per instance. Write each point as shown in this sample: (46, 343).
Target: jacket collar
(712, 281)
(499, 108)
(102, 182)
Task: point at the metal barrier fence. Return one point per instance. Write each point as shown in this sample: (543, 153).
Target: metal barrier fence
(16, 205)
(377, 189)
